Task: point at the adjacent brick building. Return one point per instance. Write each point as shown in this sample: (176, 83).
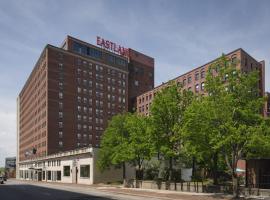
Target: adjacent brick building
(194, 80)
(73, 91)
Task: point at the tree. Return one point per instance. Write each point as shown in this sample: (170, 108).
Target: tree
(140, 146)
(233, 121)
(197, 133)
(125, 140)
(114, 144)
(166, 117)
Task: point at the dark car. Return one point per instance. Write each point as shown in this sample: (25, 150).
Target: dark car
(1, 180)
(5, 178)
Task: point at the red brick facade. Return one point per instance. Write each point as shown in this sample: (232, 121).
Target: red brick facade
(72, 93)
(194, 79)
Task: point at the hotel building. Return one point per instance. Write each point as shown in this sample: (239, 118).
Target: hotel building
(194, 80)
(72, 93)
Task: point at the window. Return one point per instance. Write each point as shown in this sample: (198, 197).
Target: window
(90, 83)
(60, 133)
(61, 85)
(234, 60)
(85, 171)
(60, 124)
(49, 175)
(58, 175)
(197, 88)
(136, 83)
(79, 71)
(197, 76)
(60, 144)
(189, 79)
(184, 82)
(60, 105)
(60, 115)
(60, 66)
(202, 74)
(202, 86)
(43, 175)
(120, 62)
(66, 170)
(60, 95)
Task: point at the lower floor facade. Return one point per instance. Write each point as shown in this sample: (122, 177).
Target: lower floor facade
(258, 173)
(76, 166)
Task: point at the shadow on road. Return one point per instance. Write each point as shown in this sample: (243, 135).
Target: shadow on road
(31, 192)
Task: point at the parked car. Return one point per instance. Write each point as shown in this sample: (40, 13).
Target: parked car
(1, 180)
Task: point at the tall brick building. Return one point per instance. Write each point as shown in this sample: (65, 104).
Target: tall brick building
(194, 79)
(73, 91)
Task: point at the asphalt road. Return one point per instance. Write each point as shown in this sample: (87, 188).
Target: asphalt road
(17, 190)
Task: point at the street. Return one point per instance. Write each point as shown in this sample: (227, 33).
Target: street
(14, 190)
(18, 190)
(22, 190)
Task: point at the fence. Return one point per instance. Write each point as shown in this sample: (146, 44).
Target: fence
(181, 186)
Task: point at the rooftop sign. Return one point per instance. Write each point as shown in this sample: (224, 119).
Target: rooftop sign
(111, 46)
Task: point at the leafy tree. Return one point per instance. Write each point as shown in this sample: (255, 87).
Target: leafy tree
(232, 121)
(198, 131)
(113, 151)
(126, 140)
(140, 146)
(166, 117)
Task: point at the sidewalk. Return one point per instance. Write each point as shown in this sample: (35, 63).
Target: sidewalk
(136, 192)
(164, 194)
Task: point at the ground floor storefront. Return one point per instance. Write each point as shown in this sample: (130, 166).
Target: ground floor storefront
(76, 166)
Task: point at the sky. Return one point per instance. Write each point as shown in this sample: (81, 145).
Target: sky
(180, 35)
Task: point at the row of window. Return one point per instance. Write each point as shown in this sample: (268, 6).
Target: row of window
(99, 69)
(147, 97)
(141, 109)
(56, 175)
(99, 86)
(97, 54)
(197, 77)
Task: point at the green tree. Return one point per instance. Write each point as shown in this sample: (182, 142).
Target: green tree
(232, 121)
(166, 117)
(126, 140)
(198, 132)
(113, 151)
(140, 146)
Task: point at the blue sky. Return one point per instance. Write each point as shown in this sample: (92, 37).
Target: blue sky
(179, 34)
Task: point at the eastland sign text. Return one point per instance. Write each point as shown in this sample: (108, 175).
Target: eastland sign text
(112, 46)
